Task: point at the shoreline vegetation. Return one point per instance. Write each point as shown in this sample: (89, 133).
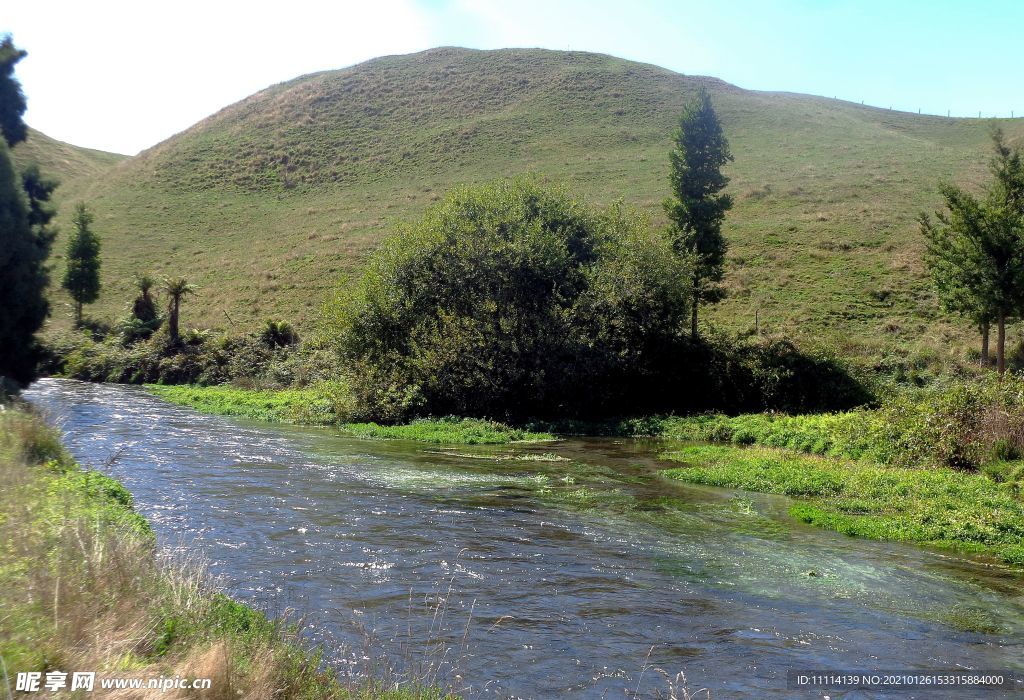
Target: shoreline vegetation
(314, 406)
(940, 507)
(82, 588)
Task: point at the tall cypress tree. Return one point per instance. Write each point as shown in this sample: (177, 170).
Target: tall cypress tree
(698, 206)
(82, 276)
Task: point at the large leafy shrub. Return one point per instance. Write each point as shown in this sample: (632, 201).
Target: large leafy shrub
(511, 300)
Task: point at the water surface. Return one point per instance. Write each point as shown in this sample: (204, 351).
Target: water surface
(509, 575)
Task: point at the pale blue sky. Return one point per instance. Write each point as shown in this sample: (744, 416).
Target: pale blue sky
(124, 75)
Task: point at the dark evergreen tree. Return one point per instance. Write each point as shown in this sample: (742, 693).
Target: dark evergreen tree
(25, 236)
(82, 276)
(23, 278)
(41, 209)
(12, 100)
(698, 206)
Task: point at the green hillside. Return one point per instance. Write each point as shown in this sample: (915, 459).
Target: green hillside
(70, 164)
(267, 204)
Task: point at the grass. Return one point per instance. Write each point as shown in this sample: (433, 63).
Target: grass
(454, 430)
(317, 406)
(939, 507)
(283, 405)
(81, 588)
(267, 204)
(62, 160)
(849, 434)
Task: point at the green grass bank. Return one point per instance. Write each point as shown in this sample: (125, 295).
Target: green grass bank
(939, 507)
(324, 405)
(81, 588)
(974, 424)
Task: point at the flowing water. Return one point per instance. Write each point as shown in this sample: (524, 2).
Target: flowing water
(565, 569)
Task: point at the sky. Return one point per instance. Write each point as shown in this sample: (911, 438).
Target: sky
(124, 75)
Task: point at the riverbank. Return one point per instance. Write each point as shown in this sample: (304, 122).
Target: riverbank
(83, 590)
(935, 507)
(319, 406)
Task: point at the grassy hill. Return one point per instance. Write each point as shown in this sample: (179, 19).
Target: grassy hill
(268, 203)
(70, 164)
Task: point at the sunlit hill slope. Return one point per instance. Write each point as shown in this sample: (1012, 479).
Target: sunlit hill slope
(272, 201)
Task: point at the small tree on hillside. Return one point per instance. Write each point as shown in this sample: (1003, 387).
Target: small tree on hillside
(976, 250)
(82, 276)
(697, 207)
(176, 289)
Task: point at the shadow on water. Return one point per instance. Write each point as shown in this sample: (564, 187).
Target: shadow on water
(537, 570)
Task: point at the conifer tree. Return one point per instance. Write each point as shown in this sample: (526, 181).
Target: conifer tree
(23, 279)
(976, 250)
(82, 276)
(12, 100)
(698, 206)
(25, 236)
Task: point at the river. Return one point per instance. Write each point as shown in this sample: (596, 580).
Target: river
(565, 569)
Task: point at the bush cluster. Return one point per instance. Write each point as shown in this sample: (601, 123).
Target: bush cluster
(962, 424)
(260, 358)
(514, 301)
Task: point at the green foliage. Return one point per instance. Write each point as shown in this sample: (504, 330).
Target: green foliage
(23, 278)
(512, 299)
(453, 430)
(328, 404)
(176, 289)
(976, 252)
(144, 319)
(278, 333)
(962, 425)
(202, 358)
(82, 274)
(764, 373)
(697, 207)
(96, 497)
(312, 405)
(39, 188)
(938, 507)
(12, 100)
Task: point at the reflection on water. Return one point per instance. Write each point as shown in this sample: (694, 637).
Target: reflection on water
(535, 577)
